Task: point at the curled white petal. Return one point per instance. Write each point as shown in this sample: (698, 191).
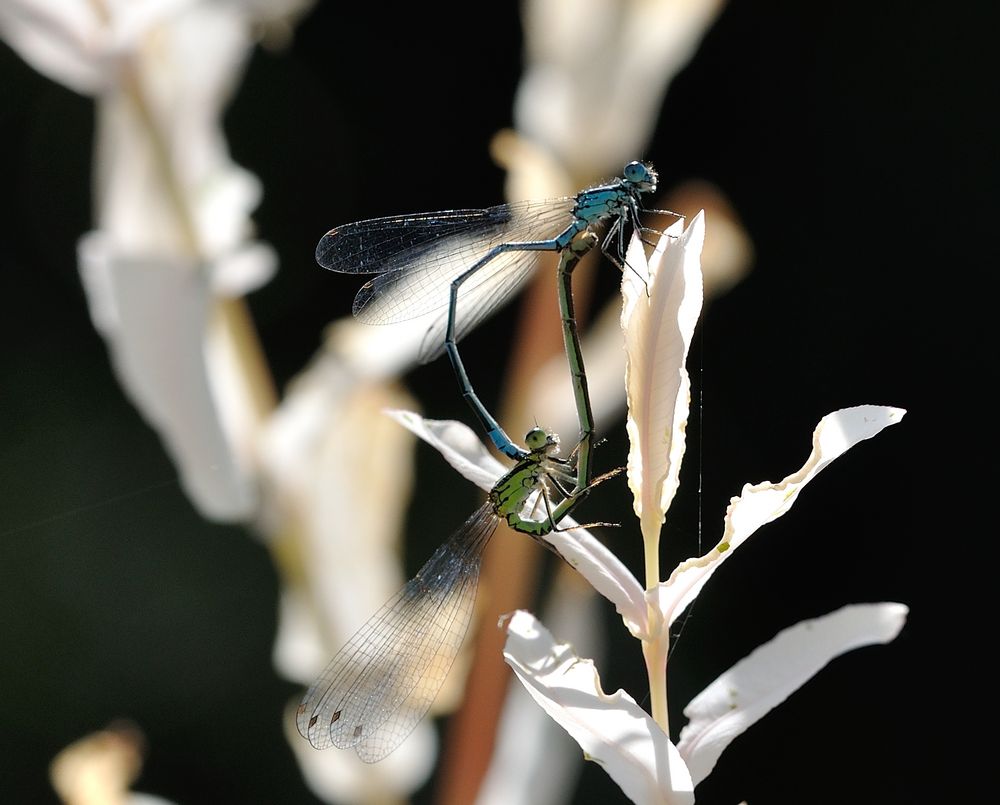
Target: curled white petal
(659, 317)
(761, 503)
(611, 729)
(532, 761)
(771, 673)
(457, 443)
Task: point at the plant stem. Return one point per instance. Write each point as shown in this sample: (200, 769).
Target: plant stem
(655, 649)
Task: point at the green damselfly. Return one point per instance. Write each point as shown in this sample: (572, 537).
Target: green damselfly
(382, 682)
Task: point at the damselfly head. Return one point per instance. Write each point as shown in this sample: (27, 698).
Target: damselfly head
(641, 175)
(540, 439)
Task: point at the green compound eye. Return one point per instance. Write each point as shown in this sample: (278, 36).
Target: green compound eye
(537, 438)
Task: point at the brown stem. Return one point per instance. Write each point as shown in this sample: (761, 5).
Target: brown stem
(512, 563)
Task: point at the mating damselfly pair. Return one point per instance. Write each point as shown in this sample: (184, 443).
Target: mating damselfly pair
(456, 267)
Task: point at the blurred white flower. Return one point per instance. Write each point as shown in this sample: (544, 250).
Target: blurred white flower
(596, 72)
(337, 476)
(173, 246)
(336, 482)
(99, 768)
(155, 315)
(80, 43)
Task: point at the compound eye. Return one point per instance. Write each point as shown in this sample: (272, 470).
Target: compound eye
(537, 438)
(641, 176)
(636, 172)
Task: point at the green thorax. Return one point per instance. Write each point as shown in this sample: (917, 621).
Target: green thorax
(510, 492)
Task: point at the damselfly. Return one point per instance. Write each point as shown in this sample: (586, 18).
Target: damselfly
(378, 686)
(464, 264)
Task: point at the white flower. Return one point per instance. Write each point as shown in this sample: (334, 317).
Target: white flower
(101, 767)
(629, 744)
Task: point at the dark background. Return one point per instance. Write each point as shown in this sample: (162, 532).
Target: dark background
(837, 138)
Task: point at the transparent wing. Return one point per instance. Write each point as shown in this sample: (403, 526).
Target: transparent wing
(373, 693)
(415, 257)
(478, 300)
(377, 245)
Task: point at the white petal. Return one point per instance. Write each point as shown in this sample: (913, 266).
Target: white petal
(222, 206)
(591, 65)
(532, 760)
(605, 572)
(835, 434)
(63, 43)
(299, 647)
(154, 315)
(772, 672)
(612, 730)
(458, 444)
(101, 766)
(296, 435)
(77, 43)
(386, 350)
(243, 270)
(165, 181)
(659, 317)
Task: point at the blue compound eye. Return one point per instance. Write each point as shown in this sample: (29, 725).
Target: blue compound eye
(636, 172)
(640, 175)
